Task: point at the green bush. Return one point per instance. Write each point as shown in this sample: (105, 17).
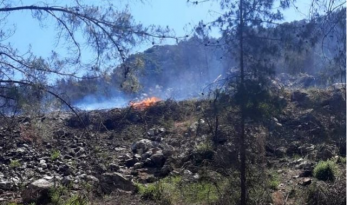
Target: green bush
(175, 190)
(14, 163)
(151, 191)
(273, 181)
(325, 170)
(341, 160)
(55, 154)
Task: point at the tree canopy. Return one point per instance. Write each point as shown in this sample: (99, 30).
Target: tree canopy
(103, 30)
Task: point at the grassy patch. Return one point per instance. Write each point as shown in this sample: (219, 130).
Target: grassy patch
(14, 163)
(273, 181)
(174, 190)
(341, 160)
(55, 154)
(325, 170)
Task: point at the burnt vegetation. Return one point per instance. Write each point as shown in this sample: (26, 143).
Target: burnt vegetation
(256, 116)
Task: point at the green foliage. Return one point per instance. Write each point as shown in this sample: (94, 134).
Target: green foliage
(60, 196)
(150, 191)
(174, 190)
(258, 101)
(323, 193)
(77, 200)
(273, 181)
(341, 160)
(55, 154)
(57, 193)
(325, 170)
(14, 163)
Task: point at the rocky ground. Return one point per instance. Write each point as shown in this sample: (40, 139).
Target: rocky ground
(104, 156)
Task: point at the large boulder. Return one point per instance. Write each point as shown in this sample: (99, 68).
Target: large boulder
(37, 192)
(109, 182)
(300, 97)
(158, 159)
(142, 146)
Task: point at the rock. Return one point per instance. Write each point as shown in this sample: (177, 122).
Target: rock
(165, 170)
(193, 127)
(79, 151)
(20, 151)
(147, 154)
(113, 167)
(92, 179)
(131, 162)
(161, 130)
(306, 149)
(101, 168)
(281, 186)
(196, 176)
(325, 152)
(305, 165)
(37, 192)
(281, 152)
(151, 132)
(64, 169)
(67, 180)
(305, 181)
(304, 80)
(158, 159)
(148, 162)
(119, 149)
(280, 171)
(6, 185)
(300, 97)
(112, 181)
(305, 173)
(142, 146)
(336, 102)
(144, 177)
(43, 164)
(293, 148)
(138, 165)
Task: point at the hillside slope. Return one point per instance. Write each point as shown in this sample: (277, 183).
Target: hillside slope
(122, 152)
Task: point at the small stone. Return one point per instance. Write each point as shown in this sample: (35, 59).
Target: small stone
(280, 171)
(20, 150)
(112, 181)
(118, 149)
(130, 162)
(196, 176)
(6, 185)
(138, 165)
(113, 167)
(305, 182)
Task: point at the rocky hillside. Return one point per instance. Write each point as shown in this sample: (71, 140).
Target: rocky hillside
(165, 154)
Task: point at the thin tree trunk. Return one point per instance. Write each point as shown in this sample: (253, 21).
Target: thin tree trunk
(242, 134)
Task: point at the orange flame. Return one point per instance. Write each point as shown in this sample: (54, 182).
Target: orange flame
(148, 102)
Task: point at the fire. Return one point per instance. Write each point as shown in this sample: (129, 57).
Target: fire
(148, 102)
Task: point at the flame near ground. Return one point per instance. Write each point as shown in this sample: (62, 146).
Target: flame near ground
(142, 105)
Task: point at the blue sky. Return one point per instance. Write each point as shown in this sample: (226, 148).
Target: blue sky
(177, 14)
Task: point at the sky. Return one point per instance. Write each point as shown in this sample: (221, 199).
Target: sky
(177, 14)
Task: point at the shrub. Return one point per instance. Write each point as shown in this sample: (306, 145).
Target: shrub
(323, 193)
(273, 180)
(55, 154)
(175, 190)
(14, 163)
(325, 170)
(341, 160)
(151, 191)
